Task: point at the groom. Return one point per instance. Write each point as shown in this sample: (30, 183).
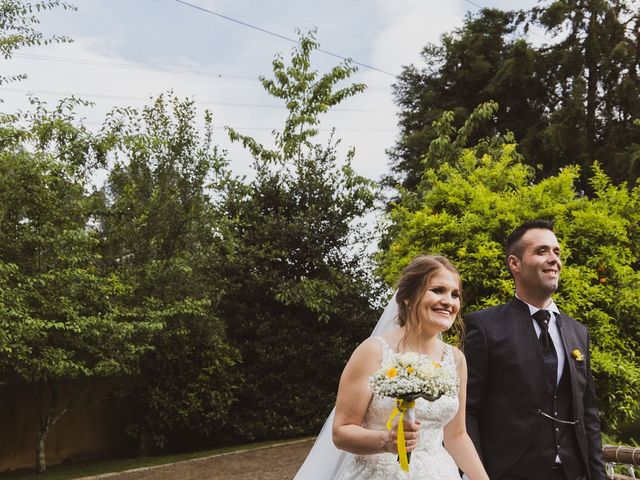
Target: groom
(531, 405)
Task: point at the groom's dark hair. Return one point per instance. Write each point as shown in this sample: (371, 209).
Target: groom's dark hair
(513, 245)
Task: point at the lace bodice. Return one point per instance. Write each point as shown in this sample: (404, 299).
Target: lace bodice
(430, 460)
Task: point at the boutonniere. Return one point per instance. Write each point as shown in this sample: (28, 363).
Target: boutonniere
(577, 354)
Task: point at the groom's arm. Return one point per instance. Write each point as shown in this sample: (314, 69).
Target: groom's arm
(476, 352)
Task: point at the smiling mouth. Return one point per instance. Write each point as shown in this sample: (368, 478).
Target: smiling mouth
(442, 311)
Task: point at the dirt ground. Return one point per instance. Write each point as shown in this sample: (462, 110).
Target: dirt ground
(279, 462)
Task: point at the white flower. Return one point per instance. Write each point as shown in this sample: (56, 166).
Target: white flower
(410, 359)
(427, 370)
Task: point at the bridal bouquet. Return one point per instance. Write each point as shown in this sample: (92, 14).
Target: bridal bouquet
(406, 377)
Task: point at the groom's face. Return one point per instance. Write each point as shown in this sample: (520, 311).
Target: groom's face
(538, 271)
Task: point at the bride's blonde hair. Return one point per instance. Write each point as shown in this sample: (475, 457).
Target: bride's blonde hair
(414, 282)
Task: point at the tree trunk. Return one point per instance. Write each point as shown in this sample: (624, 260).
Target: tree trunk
(41, 463)
(592, 56)
(47, 396)
(143, 445)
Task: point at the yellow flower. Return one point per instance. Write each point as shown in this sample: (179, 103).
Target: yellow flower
(410, 370)
(436, 364)
(392, 372)
(577, 354)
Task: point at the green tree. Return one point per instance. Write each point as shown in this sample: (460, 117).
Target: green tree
(300, 295)
(479, 62)
(58, 326)
(18, 22)
(165, 239)
(466, 211)
(572, 100)
(592, 75)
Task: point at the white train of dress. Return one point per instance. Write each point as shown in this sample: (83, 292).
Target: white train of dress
(430, 460)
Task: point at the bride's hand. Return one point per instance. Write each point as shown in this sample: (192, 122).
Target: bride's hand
(411, 434)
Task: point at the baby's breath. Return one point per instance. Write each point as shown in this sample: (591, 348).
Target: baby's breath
(409, 376)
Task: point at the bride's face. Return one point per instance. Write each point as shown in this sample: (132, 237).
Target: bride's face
(440, 303)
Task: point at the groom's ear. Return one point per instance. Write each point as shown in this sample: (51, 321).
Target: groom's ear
(514, 263)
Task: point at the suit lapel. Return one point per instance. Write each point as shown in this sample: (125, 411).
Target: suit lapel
(571, 342)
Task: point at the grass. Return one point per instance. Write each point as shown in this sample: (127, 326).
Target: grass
(78, 470)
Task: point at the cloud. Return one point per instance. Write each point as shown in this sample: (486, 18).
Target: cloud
(125, 53)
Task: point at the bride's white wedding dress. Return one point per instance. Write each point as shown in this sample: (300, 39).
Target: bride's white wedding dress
(430, 460)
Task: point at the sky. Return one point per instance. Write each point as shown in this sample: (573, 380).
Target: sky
(125, 52)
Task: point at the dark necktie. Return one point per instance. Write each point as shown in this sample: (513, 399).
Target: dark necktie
(548, 350)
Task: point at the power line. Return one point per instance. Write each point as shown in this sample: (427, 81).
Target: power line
(339, 130)
(154, 68)
(271, 129)
(474, 4)
(323, 29)
(131, 66)
(269, 32)
(202, 102)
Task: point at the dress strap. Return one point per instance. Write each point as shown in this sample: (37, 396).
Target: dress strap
(447, 357)
(387, 351)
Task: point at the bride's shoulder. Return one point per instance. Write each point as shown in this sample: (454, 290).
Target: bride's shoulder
(371, 344)
(380, 343)
(371, 348)
(374, 348)
(365, 359)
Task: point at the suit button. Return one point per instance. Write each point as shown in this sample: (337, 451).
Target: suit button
(555, 413)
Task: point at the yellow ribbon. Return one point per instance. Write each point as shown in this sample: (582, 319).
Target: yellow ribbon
(399, 410)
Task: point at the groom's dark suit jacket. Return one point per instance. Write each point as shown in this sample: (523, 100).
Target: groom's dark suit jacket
(506, 388)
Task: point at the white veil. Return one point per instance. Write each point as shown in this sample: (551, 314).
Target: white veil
(325, 461)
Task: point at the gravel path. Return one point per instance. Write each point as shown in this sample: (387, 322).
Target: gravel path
(277, 462)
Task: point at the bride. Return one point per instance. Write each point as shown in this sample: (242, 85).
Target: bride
(426, 303)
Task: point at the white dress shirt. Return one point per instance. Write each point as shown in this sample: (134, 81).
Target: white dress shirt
(554, 332)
